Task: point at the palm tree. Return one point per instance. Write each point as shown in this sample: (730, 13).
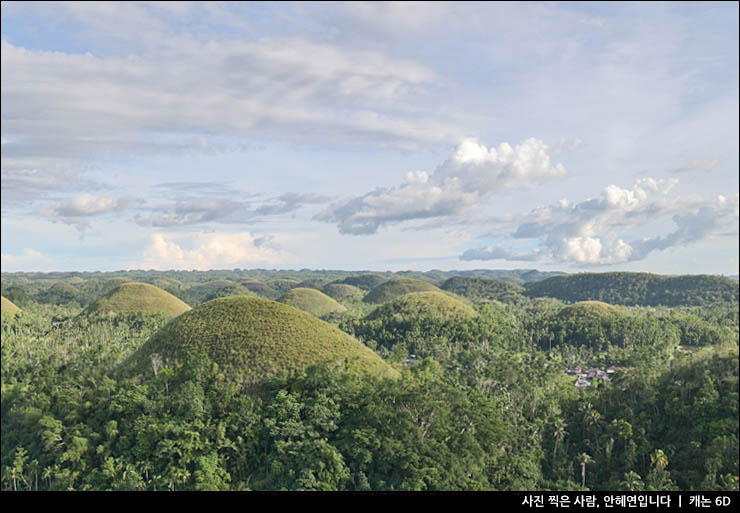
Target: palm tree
(559, 433)
(659, 478)
(584, 459)
(632, 481)
(659, 459)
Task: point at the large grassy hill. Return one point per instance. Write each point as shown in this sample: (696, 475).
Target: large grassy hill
(283, 285)
(312, 301)
(424, 304)
(137, 297)
(633, 289)
(60, 292)
(8, 307)
(588, 308)
(253, 339)
(166, 283)
(397, 287)
(342, 291)
(259, 288)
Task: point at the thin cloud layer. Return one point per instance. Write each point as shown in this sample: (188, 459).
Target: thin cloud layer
(464, 181)
(290, 202)
(111, 103)
(77, 210)
(593, 232)
(700, 166)
(215, 208)
(192, 212)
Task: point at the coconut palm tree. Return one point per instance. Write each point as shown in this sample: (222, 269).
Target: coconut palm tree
(584, 459)
(632, 481)
(659, 459)
(559, 433)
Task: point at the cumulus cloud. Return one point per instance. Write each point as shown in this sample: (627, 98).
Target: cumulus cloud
(593, 232)
(204, 251)
(706, 222)
(463, 181)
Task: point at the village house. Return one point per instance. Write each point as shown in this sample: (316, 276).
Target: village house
(585, 378)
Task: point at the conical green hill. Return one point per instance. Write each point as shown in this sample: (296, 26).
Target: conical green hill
(312, 301)
(137, 297)
(589, 308)
(425, 304)
(397, 287)
(341, 291)
(283, 285)
(259, 288)
(8, 307)
(252, 339)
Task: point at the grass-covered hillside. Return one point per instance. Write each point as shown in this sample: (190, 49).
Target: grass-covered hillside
(342, 291)
(283, 285)
(397, 287)
(424, 304)
(59, 293)
(137, 297)
(312, 301)
(259, 288)
(588, 308)
(8, 307)
(633, 289)
(253, 339)
(165, 283)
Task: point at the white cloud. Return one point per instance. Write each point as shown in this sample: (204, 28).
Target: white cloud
(63, 111)
(197, 211)
(463, 181)
(203, 251)
(593, 232)
(77, 209)
(215, 208)
(217, 87)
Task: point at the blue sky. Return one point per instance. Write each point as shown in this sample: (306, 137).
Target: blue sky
(385, 136)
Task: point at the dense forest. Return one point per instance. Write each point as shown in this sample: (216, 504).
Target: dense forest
(478, 380)
(638, 289)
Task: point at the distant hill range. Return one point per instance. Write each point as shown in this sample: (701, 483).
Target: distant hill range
(513, 286)
(519, 276)
(632, 289)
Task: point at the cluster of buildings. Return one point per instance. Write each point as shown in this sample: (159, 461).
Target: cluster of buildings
(586, 377)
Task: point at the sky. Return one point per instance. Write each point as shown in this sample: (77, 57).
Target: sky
(577, 137)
